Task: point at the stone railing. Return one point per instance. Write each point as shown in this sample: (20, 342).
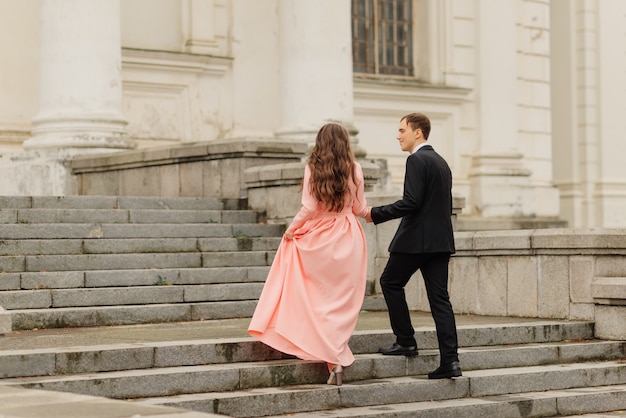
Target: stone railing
(548, 273)
(202, 169)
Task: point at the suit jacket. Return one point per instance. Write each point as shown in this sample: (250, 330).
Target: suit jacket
(425, 207)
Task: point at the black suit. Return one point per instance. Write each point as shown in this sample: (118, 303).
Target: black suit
(424, 240)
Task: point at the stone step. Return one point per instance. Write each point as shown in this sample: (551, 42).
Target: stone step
(376, 394)
(594, 402)
(141, 295)
(83, 262)
(78, 216)
(269, 388)
(95, 230)
(476, 352)
(144, 277)
(148, 313)
(98, 316)
(118, 202)
(12, 247)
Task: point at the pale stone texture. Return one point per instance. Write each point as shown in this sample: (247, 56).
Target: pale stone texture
(463, 283)
(522, 292)
(553, 287)
(492, 286)
(610, 322)
(581, 273)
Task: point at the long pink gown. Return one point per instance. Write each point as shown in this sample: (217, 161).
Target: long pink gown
(314, 291)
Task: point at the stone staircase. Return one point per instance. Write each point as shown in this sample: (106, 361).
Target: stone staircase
(139, 262)
(520, 369)
(93, 261)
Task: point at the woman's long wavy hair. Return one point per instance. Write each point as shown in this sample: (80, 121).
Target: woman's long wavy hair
(332, 166)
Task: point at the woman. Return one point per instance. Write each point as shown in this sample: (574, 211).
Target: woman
(314, 291)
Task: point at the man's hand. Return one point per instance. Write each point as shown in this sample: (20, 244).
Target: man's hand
(368, 217)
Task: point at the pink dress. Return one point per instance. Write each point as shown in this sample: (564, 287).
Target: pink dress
(314, 291)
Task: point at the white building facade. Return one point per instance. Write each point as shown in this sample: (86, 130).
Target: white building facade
(526, 97)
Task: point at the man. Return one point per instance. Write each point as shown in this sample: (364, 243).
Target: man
(424, 240)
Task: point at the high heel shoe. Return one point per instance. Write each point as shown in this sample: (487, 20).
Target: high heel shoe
(336, 375)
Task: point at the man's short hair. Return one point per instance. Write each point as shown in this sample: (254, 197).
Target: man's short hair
(418, 121)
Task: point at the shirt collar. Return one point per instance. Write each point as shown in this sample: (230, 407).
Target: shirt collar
(419, 146)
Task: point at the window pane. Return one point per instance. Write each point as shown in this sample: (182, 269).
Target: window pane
(381, 36)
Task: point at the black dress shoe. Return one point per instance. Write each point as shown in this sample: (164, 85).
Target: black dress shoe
(447, 371)
(399, 350)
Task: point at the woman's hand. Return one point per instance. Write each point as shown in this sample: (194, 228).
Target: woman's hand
(288, 236)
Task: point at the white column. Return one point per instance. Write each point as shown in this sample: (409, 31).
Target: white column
(80, 87)
(316, 66)
(497, 176)
(610, 193)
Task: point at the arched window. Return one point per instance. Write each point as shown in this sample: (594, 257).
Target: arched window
(382, 37)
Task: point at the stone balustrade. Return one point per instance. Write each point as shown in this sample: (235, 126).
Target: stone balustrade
(577, 274)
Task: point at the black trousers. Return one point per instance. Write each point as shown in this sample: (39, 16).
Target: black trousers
(434, 269)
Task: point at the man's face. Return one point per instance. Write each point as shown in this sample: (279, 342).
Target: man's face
(407, 137)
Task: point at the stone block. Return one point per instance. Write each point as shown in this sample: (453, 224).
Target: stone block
(12, 264)
(522, 286)
(592, 400)
(9, 281)
(25, 299)
(502, 240)
(116, 296)
(99, 184)
(144, 181)
(101, 316)
(15, 202)
(510, 356)
(609, 265)
(53, 280)
(463, 283)
(122, 357)
(220, 310)
(8, 216)
(553, 287)
(193, 182)
(582, 352)
(581, 311)
(105, 261)
(170, 182)
(581, 275)
(563, 238)
(222, 292)
(232, 259)
(464, 241)
(612, 289)
(231, 178)
(610, 322)
(492, 286)
(213, 275)
(24, 363)
(134, 277)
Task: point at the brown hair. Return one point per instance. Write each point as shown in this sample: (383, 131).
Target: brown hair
(332, 166)
(418, 121)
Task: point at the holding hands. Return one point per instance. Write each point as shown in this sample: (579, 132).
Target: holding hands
(368, 216)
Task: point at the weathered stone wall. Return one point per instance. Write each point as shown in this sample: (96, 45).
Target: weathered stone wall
(203, 169)
(549, 273)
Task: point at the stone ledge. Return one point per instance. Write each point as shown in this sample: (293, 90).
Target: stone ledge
(561, 241)
(609, 290)
(237, 147)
